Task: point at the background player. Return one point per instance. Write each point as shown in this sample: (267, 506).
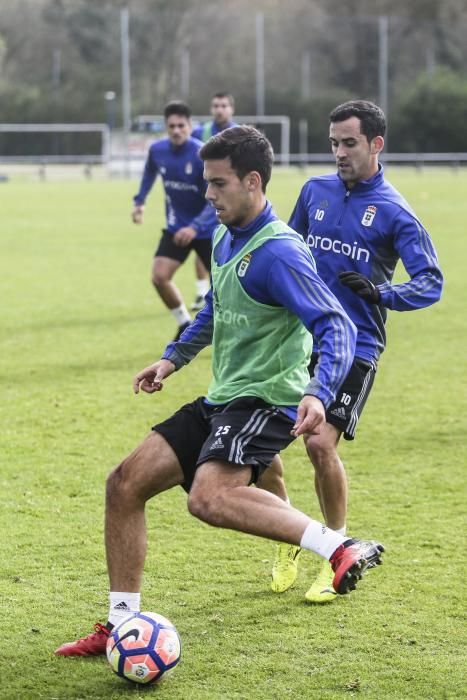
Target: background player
(357, 226)
(222, 110)
(190, 220)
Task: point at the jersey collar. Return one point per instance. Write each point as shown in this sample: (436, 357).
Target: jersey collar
(266, 216)
(370, 184)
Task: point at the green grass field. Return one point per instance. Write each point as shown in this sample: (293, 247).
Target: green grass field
(79, 318)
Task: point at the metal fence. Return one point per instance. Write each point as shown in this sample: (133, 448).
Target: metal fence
(120, 155)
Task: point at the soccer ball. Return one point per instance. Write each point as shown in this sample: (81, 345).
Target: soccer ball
(143, 648)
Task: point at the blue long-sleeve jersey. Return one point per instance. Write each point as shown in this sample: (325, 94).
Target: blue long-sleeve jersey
(368, 229)
(181, 170)
(280, 273)
(203, 132)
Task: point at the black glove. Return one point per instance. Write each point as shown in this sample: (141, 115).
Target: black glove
(361, 285)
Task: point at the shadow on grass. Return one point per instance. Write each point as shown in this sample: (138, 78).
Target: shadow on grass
(81, 322)
(54, 373)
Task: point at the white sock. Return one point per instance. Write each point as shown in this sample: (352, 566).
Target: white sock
(202, 287)
(181, 314)
(123, 604)
(320, 539)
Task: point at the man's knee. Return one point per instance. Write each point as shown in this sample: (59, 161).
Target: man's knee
(115, 484)
(321, 448)
(121, 485)
(161, 272)
(159, 278)
(205, 506)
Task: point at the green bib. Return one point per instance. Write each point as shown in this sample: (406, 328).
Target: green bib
(207, 132)
(258, 350)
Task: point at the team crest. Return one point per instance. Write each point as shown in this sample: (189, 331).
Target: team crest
(243, 267)
(162, 170)
(188, 168)
(369, 215)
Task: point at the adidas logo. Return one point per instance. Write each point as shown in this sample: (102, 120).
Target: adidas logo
(121, 606)
(339, 412)
(217, 445)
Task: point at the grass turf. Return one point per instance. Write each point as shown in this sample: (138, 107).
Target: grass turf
(79, 318)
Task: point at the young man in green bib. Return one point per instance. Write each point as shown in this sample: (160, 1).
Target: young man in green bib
(265, 305)
(222, 110)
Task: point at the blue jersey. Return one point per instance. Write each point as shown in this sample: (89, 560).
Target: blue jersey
(203, 132)
(181, 170)
(281, 273)
(368, 229)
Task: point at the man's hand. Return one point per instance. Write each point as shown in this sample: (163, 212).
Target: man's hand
(150, 378)
(137, 214)
(184, 236)
(361, 285)
(310, 415)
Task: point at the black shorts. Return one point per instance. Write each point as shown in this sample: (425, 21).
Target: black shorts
(245, 431)
(168, 249)
(348, 406)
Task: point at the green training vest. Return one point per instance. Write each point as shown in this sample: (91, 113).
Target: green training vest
(258, 350)
(207, 131)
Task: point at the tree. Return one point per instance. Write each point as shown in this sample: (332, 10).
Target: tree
(431, 116)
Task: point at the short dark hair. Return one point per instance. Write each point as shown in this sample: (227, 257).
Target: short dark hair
(372, 118)
(247, 148)
(177, 107)
(224, 95)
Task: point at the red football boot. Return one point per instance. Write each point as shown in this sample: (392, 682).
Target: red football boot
(92, 645)
(350, 561)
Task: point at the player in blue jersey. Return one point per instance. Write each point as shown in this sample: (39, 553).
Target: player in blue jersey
(358, 227)
(190, 220)
(222, 110)
(266, 297)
